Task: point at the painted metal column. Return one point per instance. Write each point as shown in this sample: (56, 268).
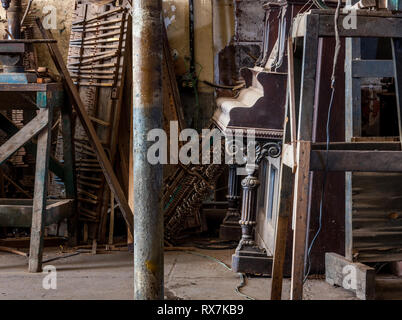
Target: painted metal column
(147, 178)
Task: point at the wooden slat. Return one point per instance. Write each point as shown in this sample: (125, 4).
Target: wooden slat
(377, 213)
(90, 130)
(374, 145)
(282, 224)
(300, 211)
(360, 161)
(397, 56)
(40, 195)
(10, 129)
(373, 68)
(24, 135)
(368, 25)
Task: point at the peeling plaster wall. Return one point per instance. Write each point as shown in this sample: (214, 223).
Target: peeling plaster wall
(176, 13)
(176, 17)
(223, 26)
(63, 15)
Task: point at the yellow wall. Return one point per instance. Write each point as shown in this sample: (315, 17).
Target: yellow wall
(209, 14)
(64, 15)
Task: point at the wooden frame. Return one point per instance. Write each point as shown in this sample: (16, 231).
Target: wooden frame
(311, 26)
(48, 99)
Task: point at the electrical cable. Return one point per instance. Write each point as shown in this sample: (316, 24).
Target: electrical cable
(218, 245)
(324, 182)
(242, 283)
(76, 253)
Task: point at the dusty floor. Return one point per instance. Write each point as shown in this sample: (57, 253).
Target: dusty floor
(110, 276)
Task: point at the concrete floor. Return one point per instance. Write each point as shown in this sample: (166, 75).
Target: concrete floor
(110, 276)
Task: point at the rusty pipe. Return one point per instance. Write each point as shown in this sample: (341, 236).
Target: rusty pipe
(147, 178)
(14, 13)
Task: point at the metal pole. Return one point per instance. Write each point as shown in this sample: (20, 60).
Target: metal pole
(147, 178)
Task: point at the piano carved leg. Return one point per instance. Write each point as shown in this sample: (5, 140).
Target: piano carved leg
(230, 228)
(249, 257)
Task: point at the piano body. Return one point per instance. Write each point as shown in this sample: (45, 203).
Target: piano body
(260, 107)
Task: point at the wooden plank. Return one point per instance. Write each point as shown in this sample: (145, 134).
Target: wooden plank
(377, 211)
(388, 287)
(282, 224)
(348, 216)
(360, 161)
(24, 135)
(111, 224)
(300, 212)
(373, 69)
(286, 185)
(40, 195)
(90, 130)
(362, 277)
(352, 90)
(368, 25)
(357, 146)
(397, 56)
(70, 181)
(308, 80)
(292, 101)
(30, 87)
(10, 129)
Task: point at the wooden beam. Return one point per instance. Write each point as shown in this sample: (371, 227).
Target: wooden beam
(89, 129)
(10, 129)
(373, 69)
(368, 25)
(281, 230)
(358, 161)
(40, 194)
(292, 102)
(300, 212)
(24, 135)
(397, 60)
(359, 146)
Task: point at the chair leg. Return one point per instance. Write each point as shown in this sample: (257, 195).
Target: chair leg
(40, 195)
(300, 212)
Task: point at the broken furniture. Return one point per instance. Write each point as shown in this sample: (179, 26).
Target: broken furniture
(18, 89)
(183, 195)
(302, 156)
